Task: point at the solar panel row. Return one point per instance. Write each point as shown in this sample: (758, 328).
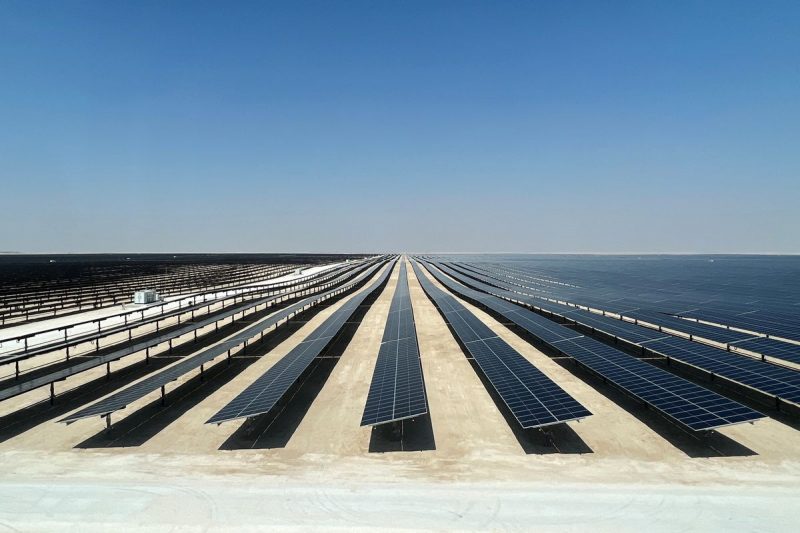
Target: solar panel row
(533, 398)
(691, 405)
(772, 380)
(673, 325)
(750, 321)
(397, 390)
(265, 392)
(755, 322)
(122, 398)
(81, 366)
(306, 281)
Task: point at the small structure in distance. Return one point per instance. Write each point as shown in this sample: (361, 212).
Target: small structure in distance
(146, 296)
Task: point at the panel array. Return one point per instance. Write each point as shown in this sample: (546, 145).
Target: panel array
(152, 383)
(693, 406)
(265, 392)
(773, 380)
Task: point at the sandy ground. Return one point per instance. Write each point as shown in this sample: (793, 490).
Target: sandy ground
(624, 468)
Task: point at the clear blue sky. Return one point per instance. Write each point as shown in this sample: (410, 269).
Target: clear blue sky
(630, 126)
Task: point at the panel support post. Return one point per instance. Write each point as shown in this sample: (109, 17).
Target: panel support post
(108, 370)
(16, 370)
(229, 357)
(108, 422)
(163, 394)
(202, 376)
(147, 356)
(52, 393)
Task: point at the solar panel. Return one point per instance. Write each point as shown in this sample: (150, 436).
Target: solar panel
(397, 390)
(533, 398)
(617, 328)
(771, 348)
(24, 386)
(545, 328)
(635, 334)
(122, 398)
(691, 405)
(689, 327)
(770, 379)
(758, 324)
(734, 367)
(262, 395)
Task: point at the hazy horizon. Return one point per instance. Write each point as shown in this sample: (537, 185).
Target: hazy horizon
(316, 127)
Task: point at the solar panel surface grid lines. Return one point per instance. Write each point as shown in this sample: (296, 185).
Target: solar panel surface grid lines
(712, 360)
(689, 327)
(546, 330)
(547, 334)
(758, 325)
(262, 395)
(634, 334)
(771, 348)
(771, 379)
(691, 405)
(500, 289)
(531, 396)
(768, 347)
(397, 389)
(737, 315)
(121, 399)
(731, 412)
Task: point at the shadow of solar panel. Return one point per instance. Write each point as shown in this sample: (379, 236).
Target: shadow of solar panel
(397, 390)
(265, 392)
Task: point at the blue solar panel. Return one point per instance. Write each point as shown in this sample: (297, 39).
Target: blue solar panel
(770, 379)
(669, 324)
(691, 405)
(750, 322)
(770, 348)
(689, 327)
(397, 390)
